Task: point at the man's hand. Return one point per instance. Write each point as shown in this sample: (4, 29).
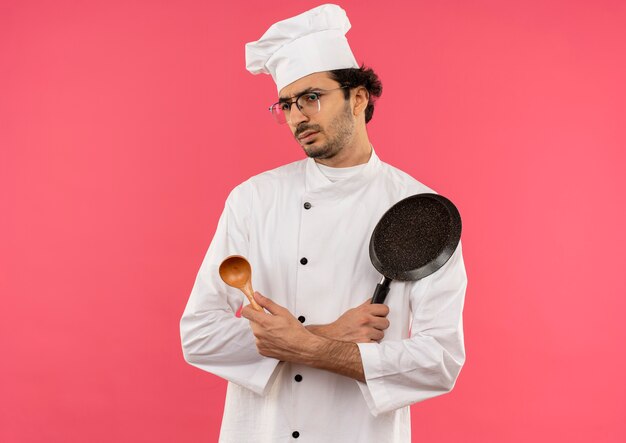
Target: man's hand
(279, 334)
(364, 324)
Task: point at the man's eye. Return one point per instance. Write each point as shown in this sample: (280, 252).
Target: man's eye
(284, 107)
(311, 97)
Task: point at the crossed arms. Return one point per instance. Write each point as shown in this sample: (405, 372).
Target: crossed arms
(331, 347)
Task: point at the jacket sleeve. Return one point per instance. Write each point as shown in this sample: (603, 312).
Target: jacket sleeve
(213, 338)
(401, 372)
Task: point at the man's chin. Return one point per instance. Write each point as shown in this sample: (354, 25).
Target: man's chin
(317, 152)
(312, 152)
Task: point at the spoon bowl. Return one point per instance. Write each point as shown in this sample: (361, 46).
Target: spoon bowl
(236, 272)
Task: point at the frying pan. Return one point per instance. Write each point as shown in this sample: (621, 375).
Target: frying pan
(413, 239)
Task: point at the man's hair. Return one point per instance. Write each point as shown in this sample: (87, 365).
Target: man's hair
(363, 76)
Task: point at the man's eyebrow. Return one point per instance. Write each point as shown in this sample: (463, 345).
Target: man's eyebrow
(304, 91)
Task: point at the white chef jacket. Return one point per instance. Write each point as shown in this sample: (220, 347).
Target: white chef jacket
(266, 220)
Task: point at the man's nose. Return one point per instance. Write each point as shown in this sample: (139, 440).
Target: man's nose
(296, 116)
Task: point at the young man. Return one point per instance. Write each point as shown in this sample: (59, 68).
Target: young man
(322, 363)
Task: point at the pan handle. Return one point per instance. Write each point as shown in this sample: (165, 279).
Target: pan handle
(381, 291)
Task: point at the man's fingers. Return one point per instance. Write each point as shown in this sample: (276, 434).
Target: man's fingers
(380, 323)
(377, 335)
(268, 304)
(379, 309)
(251, 314)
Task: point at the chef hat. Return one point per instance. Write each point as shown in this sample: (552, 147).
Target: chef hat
(313, 41)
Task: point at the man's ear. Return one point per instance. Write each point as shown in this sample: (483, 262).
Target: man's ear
(361, 100)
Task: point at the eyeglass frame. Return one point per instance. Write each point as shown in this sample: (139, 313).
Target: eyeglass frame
(294, 100)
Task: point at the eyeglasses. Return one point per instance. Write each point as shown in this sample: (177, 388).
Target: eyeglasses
(308, 103)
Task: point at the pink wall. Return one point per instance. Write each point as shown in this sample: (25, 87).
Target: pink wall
(124, 124)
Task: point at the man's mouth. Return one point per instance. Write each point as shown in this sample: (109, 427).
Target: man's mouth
(307, 136)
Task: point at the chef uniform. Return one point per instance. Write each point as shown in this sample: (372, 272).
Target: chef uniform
(306, 236)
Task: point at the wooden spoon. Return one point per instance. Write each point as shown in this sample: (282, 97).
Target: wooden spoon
(236, 271)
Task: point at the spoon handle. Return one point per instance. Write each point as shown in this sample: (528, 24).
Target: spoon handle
(247, 290)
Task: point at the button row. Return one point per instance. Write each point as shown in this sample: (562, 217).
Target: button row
(301, 319)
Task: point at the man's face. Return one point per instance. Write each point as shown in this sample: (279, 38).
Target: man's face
(324, 134)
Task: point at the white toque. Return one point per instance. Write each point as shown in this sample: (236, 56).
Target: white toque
(313, 41)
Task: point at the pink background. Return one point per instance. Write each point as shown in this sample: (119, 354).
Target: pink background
(124, 125)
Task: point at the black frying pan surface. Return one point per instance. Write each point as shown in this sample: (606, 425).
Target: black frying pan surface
(413, 239)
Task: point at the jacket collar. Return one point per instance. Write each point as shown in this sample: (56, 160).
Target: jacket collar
(318, 186)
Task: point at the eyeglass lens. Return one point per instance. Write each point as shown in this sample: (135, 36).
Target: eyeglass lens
(308, 104)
